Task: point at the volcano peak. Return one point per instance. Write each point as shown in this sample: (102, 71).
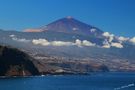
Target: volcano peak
(72, 25)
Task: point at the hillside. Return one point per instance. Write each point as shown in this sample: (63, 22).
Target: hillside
(15, 63)
(70, 41)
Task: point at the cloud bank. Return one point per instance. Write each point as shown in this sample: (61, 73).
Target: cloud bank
(117, 45)
(132, 40)
(108, 43)
(45, 42)
(77, 42)
(122, 39)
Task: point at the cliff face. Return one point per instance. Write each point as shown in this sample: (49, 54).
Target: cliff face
(15, 63)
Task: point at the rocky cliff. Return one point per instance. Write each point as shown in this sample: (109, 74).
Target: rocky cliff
(14, 62)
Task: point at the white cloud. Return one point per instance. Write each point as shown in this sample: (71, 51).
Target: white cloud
(106, 46)
(87, 43)
(117, 45)
(109, 36)
(42, 42)
(45, 42)
(132, 40)
(122, 39)
(78, 43)
(106, 34)
(108, 43)
(61, 43)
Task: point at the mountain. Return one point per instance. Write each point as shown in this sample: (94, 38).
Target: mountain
(15, 63)
(70, 42)
(71, 25)
(69, 29)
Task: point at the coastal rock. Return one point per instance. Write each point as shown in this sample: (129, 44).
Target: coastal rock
(14, 62)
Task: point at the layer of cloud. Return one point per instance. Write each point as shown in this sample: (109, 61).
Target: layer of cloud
(45, 42)
(107, 44)
(42, 42)
(117, 45)
(132, 40)
(122, 39)
(78, 43)
(88, 43)
(61, 43)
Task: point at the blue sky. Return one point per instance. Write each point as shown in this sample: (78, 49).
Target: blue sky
(115, 16)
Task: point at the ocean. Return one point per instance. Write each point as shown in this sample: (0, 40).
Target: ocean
(95, 81)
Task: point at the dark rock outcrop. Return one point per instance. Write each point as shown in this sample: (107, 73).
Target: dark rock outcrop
(14, 62)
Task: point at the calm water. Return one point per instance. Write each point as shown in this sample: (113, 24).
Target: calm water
(99, 81)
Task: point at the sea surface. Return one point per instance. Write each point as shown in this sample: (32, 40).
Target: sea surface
(96, 81)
